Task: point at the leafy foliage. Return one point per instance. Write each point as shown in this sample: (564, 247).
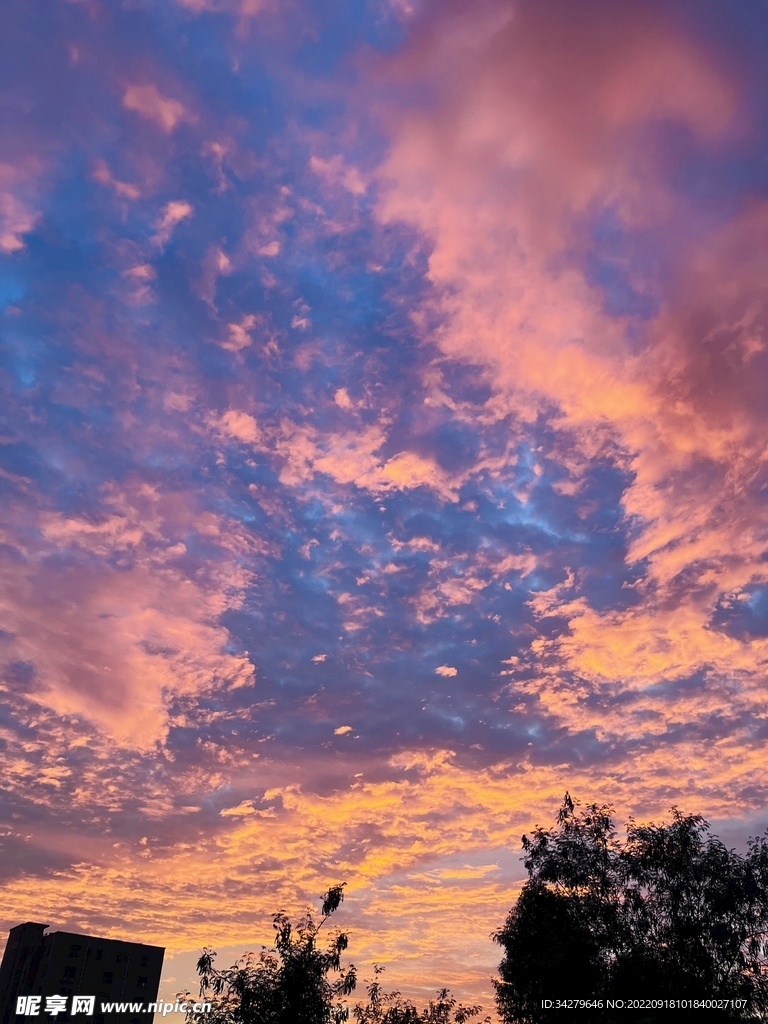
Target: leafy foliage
(389, 1008)
(669, 913)
(291, 984)
(288, 986)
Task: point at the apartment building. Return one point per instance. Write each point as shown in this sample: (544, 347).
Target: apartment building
(69, 964)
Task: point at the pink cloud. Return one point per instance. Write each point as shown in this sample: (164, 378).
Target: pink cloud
(103, 175)
(353, 457)
(539, 119)
(215, 265)
(17, 216)
(139, 279)
(240, 426)
(335, 172)
(239, 336)
(245, 8)
(407, 470)
(173, 213)
(148, 102)
(342, 399)
(112, 644)
(141, 272)
(175, 402)
(539, 116)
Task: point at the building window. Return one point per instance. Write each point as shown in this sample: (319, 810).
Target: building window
(99, 954)
(69, 973)
(74, 951)
(144, 961)
(141, 983)
(106, 978)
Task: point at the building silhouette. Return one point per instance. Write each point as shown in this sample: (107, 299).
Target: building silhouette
(68, 964)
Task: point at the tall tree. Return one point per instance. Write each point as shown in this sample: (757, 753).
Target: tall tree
(666, 914)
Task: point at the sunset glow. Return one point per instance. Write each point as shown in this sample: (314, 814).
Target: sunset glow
(384, 452)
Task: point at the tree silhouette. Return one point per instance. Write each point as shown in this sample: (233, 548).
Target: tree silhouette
(292, 984)
(667, 914)
(288, 986)
(390, 1008)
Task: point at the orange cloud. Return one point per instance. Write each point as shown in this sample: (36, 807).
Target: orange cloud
(422, 887)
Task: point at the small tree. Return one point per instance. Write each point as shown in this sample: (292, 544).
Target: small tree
(670, 913)
(390, 1008)
(291, 985)
(288, 986)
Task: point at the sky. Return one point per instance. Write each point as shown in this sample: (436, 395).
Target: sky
(384, 453)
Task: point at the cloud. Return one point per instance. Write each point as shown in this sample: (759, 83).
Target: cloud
(146, 629)
(245, 8)
(175, 402)
(239, 336)
(148, 102)
(103, 175)
(405, 904)
(507, 182)
(407, 469)
(240, 426)
(173, 213)
(335, 172)
(342, 399)
(215, 265)
(243, 809)
(352, 457)
(141, 272)
(17, 218)
(462, 363)
(140, 292)
(15, 222)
